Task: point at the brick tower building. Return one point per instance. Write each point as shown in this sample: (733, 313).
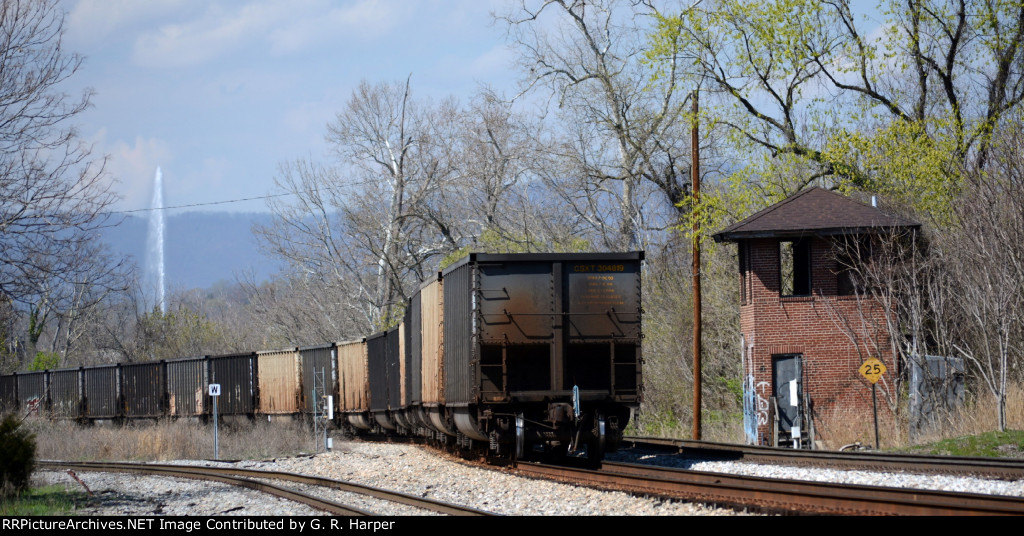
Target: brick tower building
(805, 328)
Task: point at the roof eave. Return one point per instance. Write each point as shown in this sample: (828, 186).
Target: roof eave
(736, 236)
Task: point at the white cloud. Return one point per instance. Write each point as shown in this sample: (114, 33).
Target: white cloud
(94, 21)
(133, 165)
(496, 62)
(209, 183)
(276, 28)
(218, 31)
(358, 21)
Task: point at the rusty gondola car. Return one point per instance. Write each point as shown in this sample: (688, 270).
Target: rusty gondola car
(354, 385)
(280, 381)
(543, 350)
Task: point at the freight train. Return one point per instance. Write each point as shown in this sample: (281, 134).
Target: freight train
(520, 354)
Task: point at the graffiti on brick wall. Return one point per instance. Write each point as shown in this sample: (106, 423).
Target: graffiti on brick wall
(749, 419)
(763, 393)
(755, 406)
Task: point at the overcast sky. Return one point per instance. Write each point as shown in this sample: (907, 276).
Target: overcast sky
(218, 93)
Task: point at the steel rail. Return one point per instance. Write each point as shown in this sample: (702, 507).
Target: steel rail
(198, 473)
(1002, 468)
(778, 495)
(242, 477)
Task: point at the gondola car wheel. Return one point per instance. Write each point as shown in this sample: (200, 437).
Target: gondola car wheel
(596, 446)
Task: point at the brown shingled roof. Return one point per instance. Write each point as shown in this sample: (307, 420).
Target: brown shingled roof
(813, 211)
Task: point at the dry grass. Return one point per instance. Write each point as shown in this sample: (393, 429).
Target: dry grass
(840, 427)
(168, 440)
(977, 416)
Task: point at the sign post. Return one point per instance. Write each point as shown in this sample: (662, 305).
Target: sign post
(873, 369)
(215, 393)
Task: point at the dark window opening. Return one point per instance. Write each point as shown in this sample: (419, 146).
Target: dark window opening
(795, 267)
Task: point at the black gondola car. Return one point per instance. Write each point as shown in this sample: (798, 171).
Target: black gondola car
(8, 393)
(378, 369)
(32, 392)
(142, 388)
(102, 391)
(236, 375)
(66, 393)
(543, 349)
(319, 375)
(186, 387)
(413, 364)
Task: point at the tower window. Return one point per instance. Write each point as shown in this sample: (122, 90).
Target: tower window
(795, 267)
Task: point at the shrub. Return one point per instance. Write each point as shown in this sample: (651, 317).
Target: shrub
(44, 361)
(17, 456)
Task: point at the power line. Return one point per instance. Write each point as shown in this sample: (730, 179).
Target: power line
(224, 202)
(228, 201)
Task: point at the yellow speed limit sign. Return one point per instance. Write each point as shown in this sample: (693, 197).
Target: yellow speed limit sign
(872, 369)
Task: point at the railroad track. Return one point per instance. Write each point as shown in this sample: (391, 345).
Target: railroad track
(778, 495)
(247, 478)
(1001, 468)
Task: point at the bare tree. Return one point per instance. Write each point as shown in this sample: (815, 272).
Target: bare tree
(954, 291)
(366, 229)
(626, 119)
(53, 197)
(499, 198)
(985, 266)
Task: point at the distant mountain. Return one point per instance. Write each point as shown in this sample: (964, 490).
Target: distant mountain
(200, 248)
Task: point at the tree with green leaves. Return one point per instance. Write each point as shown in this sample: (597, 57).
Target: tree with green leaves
(812, 91)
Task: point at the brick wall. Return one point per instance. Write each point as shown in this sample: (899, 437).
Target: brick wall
(834, 334)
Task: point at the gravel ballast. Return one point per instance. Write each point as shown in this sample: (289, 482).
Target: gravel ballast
(422, 472)
(406, 468)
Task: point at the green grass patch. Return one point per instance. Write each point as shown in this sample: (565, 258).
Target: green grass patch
(1008, 444)
(52, 500)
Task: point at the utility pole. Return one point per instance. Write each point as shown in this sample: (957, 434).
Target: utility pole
(695, 190)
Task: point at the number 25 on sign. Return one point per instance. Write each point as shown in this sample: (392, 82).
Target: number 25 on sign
(872, 369)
